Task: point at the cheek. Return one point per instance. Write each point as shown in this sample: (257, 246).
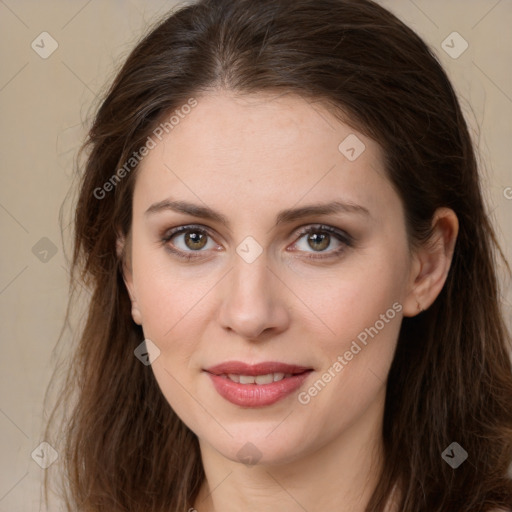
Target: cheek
(363, 328)
(170, 305)
(176, 307)
(356, 364)
(362, 315)
(353, 299)
(166, 292)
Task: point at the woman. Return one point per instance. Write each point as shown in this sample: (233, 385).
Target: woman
(294, 295)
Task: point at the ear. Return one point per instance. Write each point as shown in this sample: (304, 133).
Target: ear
(123, 249)
(431, 263)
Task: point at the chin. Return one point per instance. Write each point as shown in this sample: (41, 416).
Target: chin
(254, 446)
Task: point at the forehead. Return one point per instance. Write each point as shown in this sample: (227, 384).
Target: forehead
(259, 150)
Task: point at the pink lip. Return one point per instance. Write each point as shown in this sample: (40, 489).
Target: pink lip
(256, 395)
(239, 368)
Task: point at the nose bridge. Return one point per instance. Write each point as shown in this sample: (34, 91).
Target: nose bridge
(252, 302)
(252, 280)
(251, 275)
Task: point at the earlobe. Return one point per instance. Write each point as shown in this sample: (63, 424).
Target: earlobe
(123, 253)
(412, 305)
(136, 314)
(432, 263)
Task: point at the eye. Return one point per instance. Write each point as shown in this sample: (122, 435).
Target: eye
(187, 240)
(321, 237)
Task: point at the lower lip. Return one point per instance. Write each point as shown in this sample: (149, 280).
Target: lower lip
(257, 395)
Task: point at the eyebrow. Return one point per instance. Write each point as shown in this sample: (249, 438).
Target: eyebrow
(284, 216)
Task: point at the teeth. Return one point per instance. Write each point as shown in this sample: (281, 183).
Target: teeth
(264, 379)
(258, 379)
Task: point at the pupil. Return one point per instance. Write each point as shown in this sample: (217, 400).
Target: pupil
(197, 239)
(322, 238)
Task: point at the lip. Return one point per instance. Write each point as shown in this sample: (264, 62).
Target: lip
(240, 368)
(256, 395)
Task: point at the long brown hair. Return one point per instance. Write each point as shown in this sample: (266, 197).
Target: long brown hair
(121, 445)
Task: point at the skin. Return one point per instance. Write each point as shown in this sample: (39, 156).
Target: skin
(249, 157)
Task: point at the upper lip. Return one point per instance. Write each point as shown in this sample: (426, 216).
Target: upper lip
(240, 368)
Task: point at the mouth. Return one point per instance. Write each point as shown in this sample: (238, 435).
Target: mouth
(256, 385)
(261, 373)
(267, 378)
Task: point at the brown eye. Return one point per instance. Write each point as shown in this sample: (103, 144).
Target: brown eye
(195, 240)
(319, 242)
(326, 241)
(187, 241)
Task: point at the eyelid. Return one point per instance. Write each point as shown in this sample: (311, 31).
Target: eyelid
(347, 241)
(170, 233)
(342, 236)
(329, 229)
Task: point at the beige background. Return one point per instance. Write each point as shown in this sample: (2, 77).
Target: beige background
(45, 106)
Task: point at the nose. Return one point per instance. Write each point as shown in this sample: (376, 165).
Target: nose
(253, 302)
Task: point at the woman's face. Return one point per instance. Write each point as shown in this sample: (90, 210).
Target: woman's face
(257, 288)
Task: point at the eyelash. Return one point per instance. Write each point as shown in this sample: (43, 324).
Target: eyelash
(344, 238)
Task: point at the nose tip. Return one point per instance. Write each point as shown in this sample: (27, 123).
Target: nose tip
(252, 303)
